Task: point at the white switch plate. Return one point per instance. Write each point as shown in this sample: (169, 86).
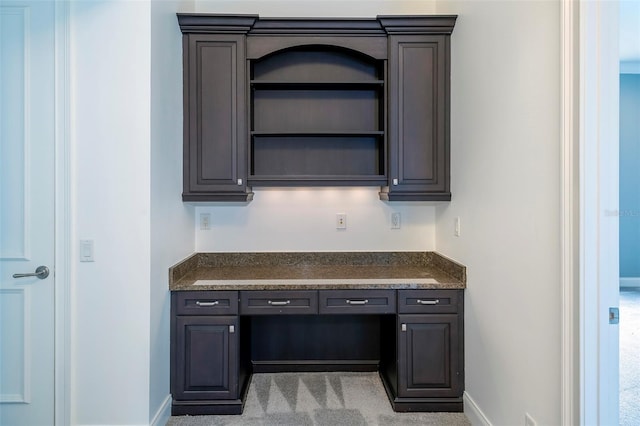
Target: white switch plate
(341, 221)
(456, 227)
(86, 251)
(395, 220)
(205, 221)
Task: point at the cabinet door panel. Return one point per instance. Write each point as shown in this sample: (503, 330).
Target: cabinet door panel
(418, 117)
(215, 117)
(206, 355)
(429, 356)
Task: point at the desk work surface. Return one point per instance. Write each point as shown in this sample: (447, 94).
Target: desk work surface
(321, 270)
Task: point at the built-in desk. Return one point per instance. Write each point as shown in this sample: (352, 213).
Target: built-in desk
(235, 314)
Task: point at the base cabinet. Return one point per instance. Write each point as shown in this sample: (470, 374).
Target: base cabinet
(206, 364)
(413, 337)
(207, 355)
(428, 356)
(425, 371)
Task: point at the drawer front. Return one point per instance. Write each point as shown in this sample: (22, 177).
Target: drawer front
(429, 301)
(205, 302)
(279, 302)
(357, 301)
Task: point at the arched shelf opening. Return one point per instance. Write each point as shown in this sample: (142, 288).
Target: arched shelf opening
(317, 115)
(317, 63)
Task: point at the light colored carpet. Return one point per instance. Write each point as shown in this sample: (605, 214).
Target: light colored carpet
(629, 357)
(324, 399)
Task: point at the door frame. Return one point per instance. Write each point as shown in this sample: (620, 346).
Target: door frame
(589, 165)
(63, 216)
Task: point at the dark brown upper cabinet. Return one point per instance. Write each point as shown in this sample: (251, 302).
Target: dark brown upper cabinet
(313, 102)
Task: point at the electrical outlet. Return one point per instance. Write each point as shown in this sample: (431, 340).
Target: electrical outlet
(528, 420)
(395, 220)
(205, 221)
(341, 221)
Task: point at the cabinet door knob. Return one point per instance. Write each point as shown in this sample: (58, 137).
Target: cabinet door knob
(232, 329)
(239, 182)
(403, 327)
(395, 181)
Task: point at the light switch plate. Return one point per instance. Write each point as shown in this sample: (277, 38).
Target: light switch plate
(86, 251)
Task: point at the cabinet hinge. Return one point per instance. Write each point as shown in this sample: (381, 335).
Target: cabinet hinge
(232, 329)
(403, 327)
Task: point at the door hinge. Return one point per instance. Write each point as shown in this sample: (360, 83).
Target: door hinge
(614, 315)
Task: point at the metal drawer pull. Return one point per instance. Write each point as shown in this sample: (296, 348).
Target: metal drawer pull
(279, 302)
(429, 302)
(214, 303)
(357, 302)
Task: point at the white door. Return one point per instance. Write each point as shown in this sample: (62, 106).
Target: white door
(26, 211)
(599, 221)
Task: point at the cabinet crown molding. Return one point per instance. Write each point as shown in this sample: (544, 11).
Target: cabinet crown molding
(252, 24)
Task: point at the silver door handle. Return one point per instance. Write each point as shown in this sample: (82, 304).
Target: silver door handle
(357, 302)
(41, 272)
(279, 302)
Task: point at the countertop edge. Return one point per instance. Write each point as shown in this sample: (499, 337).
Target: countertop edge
(429, 260)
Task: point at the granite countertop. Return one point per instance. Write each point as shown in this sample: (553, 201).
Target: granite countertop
(322, 270)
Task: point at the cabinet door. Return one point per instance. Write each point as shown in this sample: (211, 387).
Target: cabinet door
(215, 124)
(206, 351)
(418, 118)
(429, 356)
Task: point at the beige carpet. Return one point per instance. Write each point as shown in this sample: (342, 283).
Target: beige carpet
(326, 399)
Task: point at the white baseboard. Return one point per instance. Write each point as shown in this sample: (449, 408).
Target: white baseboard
(164, 412)
(630, 282)
(473, 412)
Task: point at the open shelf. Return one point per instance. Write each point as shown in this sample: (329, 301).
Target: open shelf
(317, 155)
(317, 118)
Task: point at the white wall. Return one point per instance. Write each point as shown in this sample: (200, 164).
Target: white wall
(305, 220)
(505, 138)
(307, 8)
(110, 101)
(172, 236)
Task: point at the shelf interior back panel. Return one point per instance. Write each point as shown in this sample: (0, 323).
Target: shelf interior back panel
(311, 110)
(317, 156)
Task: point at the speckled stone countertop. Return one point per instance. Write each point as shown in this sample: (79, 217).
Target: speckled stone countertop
(322, 270)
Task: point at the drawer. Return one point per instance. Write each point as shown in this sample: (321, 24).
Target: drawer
(357, 301)
(279, 302)
(205, 302)
(429, 301)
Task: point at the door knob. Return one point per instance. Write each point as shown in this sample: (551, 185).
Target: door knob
(41, 272)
